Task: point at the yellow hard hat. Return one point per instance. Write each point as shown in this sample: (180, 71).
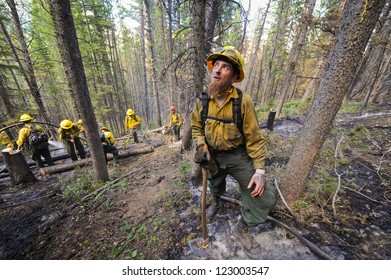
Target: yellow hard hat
(232, 54)
(25, 118)
(66, 124)
(80, 121)
(103, 128)
(129, 112)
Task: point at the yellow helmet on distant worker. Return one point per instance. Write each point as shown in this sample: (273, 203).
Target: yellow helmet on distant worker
(66, 124)
(233, 56)
(103, 128)
(25, 118)
(80, 121)
(130, 112)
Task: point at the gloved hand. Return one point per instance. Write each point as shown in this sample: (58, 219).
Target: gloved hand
(204, 159)
(202, 154)
(14, 146)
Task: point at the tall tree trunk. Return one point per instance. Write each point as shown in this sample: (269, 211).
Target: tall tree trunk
(273, 52)
(384, 89)
(153, 62)
(198, 68)
(358, 21)
(306, 17)
(4, 95)
(373, 55)
(212, 16)
(31, 80)
(70, 53)
(314, 83)
(254, 56)
(144, 59)
(167, 55)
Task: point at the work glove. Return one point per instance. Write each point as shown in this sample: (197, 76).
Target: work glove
(204, 159)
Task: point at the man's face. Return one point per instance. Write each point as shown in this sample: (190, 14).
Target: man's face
(222, 77)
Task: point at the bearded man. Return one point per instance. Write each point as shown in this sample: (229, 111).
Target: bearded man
(238, 148)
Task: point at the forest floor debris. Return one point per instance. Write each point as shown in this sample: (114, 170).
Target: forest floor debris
(155, 211)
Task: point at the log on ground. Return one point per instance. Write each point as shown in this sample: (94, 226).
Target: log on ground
(58, 168)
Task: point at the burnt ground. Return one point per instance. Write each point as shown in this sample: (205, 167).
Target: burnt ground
(152, 210)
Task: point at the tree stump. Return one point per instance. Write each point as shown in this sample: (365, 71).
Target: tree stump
(17, 167)
(270, 120)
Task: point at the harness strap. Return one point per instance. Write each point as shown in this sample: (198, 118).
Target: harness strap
(236, 110)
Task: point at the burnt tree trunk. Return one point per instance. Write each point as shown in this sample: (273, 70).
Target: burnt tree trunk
(71, 57)
(29, 70)
(152, 61)
(357, 24)
(17, 166)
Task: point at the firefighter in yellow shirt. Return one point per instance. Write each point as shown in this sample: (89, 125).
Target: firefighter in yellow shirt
(33, 138)
(108, 141)
(132, 124)
(175, 122)
(226, 130)
(69, 134)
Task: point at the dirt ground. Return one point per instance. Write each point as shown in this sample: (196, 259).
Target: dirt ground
(152, 210)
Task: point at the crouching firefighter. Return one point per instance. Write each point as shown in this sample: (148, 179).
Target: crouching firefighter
(229, 142)
(107, 139)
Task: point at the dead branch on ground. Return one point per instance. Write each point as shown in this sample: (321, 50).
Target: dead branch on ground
(283, 199)
(109, 184)
(357, 192)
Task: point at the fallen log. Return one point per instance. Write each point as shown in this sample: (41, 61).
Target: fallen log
(58, 168)
(156, 130)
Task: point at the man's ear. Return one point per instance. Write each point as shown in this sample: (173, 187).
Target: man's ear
(234, 76)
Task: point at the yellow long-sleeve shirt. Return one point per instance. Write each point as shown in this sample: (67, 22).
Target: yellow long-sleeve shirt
(132, 122)
(110, 137)
(5, 140)
(175, 119)
(226, 136)
(65, 134)
(24, 134)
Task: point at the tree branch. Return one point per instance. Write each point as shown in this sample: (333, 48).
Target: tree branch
(339, 177)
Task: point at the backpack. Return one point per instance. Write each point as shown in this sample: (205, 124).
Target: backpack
(236, 110)
(37, 138)
(103, 138)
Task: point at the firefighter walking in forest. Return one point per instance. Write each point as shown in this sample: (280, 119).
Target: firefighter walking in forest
(175, 122)
(132, 124)
(226, 131)
(69, 133)
(33, 137)
(108, 141)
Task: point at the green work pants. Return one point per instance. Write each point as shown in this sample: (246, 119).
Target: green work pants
(41, 151)
(113, 150)
(239, 165)
(177, 131)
